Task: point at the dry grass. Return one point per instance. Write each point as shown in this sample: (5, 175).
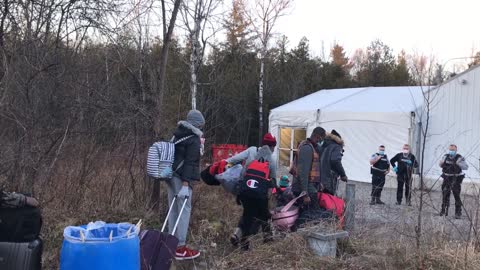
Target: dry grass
(110, 191)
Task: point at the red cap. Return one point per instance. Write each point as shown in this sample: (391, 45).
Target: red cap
(269, 140)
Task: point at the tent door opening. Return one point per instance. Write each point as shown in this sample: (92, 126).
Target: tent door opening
(290, 137)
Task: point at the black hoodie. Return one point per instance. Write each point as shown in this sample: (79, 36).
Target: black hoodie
(187, 151)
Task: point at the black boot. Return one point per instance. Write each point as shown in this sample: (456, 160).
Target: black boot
(245, 244)
(373, 201)
(444, 211)
(378, 201)
(458, 212)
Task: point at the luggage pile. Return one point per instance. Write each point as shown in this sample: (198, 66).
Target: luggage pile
(20, 243)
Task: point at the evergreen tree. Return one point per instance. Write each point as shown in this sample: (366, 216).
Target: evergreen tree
(401, 75)
(378, 66)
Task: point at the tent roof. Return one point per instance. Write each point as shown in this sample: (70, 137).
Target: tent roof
(364, 99)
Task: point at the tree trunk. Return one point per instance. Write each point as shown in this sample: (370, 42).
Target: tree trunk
(196, 55)
(260, 95)
(193, 80)
(167, 38)
(2, 22)
(195, 60)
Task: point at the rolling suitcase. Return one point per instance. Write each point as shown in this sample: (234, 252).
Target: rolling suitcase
(21, 256)
(157, 248)
(20, 225)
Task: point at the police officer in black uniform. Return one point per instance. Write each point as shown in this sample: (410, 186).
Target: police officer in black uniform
(403, 164)
(380, 167)
(452, 165)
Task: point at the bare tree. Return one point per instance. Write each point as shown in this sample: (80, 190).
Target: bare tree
(196, 15)
(167, 39)
(423, 72)
(264, 16)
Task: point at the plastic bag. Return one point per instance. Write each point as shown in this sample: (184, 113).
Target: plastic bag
(230, 178)
(100, 231)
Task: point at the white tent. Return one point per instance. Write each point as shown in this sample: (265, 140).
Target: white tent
(455, 118)
(364, 117)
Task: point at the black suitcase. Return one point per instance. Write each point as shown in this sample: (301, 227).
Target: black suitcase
(20, 224)
(21, 256)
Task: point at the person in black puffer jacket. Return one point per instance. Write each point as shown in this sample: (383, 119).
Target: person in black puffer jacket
(187, 170)
(331, 154)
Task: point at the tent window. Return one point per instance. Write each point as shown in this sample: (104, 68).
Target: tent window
(289, 140)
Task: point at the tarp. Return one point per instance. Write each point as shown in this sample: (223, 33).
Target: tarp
(364, 117)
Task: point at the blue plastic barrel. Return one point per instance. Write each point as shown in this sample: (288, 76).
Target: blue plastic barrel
(100, 246)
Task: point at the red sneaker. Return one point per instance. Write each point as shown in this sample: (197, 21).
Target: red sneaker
(184, 253)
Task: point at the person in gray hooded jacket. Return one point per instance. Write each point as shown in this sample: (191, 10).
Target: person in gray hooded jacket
(187, 165)
(331, 167)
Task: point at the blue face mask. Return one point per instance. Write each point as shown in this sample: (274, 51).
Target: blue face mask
(381, 153)
(452, 153)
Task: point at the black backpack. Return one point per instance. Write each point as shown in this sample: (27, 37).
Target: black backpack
(21, 224)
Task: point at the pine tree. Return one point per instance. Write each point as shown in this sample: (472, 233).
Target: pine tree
(378, 66)
(237, 26)
(401, 76)
(339, 58)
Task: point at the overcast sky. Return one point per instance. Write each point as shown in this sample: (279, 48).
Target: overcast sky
(446, 29)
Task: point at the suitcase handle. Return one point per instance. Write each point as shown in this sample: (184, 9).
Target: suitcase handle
(289, 205)
(179, 215)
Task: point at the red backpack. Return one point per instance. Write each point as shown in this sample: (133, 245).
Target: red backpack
(334, 204)
(256, 181)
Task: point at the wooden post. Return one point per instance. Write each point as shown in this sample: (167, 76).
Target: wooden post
(350, 209)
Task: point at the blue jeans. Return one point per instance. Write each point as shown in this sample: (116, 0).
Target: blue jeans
(173, 187)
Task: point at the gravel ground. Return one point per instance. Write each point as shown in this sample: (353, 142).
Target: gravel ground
(402, 219)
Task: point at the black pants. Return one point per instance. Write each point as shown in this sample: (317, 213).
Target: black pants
(255, 215)
(378, 181)
(452, 184)
(403, 179)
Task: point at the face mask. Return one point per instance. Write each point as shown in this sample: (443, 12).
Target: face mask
(320, 143)
(452, 153)
(406, 151)
(381, 153)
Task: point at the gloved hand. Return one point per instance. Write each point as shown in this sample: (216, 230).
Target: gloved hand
(344, 178)
(184, 192)
(395, 169)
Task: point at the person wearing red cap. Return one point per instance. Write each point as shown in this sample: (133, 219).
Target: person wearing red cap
(254, 153)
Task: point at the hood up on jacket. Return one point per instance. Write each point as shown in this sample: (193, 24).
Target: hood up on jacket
(335, 139)
(184, 128)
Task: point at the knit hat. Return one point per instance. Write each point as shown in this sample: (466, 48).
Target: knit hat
(269, 140)
(283, 181)
(195, 118)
